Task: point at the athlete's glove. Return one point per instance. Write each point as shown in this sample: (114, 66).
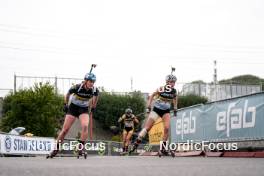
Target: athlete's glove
(92, 110)
(65, 108)
(148, 110)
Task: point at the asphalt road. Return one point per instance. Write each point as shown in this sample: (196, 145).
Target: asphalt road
(130, 166)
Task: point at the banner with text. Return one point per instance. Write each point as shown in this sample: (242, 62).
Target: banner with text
(11, 144)
(156, 132)
(234, 119)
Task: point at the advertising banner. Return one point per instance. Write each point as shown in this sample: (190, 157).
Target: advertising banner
(11, 144)
(234, 119)
(156, 132)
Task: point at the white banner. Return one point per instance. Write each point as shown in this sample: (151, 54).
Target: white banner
(11, 144)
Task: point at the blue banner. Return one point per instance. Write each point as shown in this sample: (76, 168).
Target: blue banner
(227, 120)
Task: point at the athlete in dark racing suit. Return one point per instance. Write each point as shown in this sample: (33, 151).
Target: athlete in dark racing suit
(165, 99)
(79, 99)
(129, 121)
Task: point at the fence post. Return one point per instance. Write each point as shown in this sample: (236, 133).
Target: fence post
(109, 148)
(56, 85)
(231, 90)
(14, 83)
(199, 89)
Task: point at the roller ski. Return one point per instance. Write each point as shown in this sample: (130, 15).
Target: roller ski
(52, 155)
(134, 147)
(81, 151)
(166, 153)
(124, 152)
(82, 154)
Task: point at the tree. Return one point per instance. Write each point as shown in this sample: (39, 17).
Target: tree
(190, 100)
(38, 109)
(111, 106)
(198, 82)
(243, 79)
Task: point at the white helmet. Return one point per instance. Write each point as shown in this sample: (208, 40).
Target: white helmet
(171, 78)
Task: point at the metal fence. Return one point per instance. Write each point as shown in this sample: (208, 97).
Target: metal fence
(4, 92)
(1, 107)
(61, 85)
(215, 92)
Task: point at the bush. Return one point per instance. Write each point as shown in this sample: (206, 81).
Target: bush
(190, 100)
(38, 109)
(110, 107)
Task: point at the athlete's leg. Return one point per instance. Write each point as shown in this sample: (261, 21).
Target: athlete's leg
(153, 116)
(128, 139)
(166, 122)
(69, 120)
(84, 119)
(124, 140)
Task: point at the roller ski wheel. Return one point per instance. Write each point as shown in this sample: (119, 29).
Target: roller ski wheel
(172, 153)
(82, 154)
(162, 153)
(159, 154)
(52, 155)
(124, 153)
(132, 149)
(166, 153)
(49, 157)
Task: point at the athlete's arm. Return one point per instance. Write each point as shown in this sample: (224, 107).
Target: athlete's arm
(66, 98)
(121, 119)
(136, 119)
(95, 98)
(175, 103)
(72, 90)
(94, 101)
(151, 98)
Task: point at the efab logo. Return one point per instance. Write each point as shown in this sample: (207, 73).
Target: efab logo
(8, 143)
(236, 118)
(186, 124)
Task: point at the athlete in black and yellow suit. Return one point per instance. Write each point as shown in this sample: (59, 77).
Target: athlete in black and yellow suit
(79, 99)
(129, 121)
(165, 98)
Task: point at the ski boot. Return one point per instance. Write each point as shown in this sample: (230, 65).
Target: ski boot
(81, 150)
(134, 146)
